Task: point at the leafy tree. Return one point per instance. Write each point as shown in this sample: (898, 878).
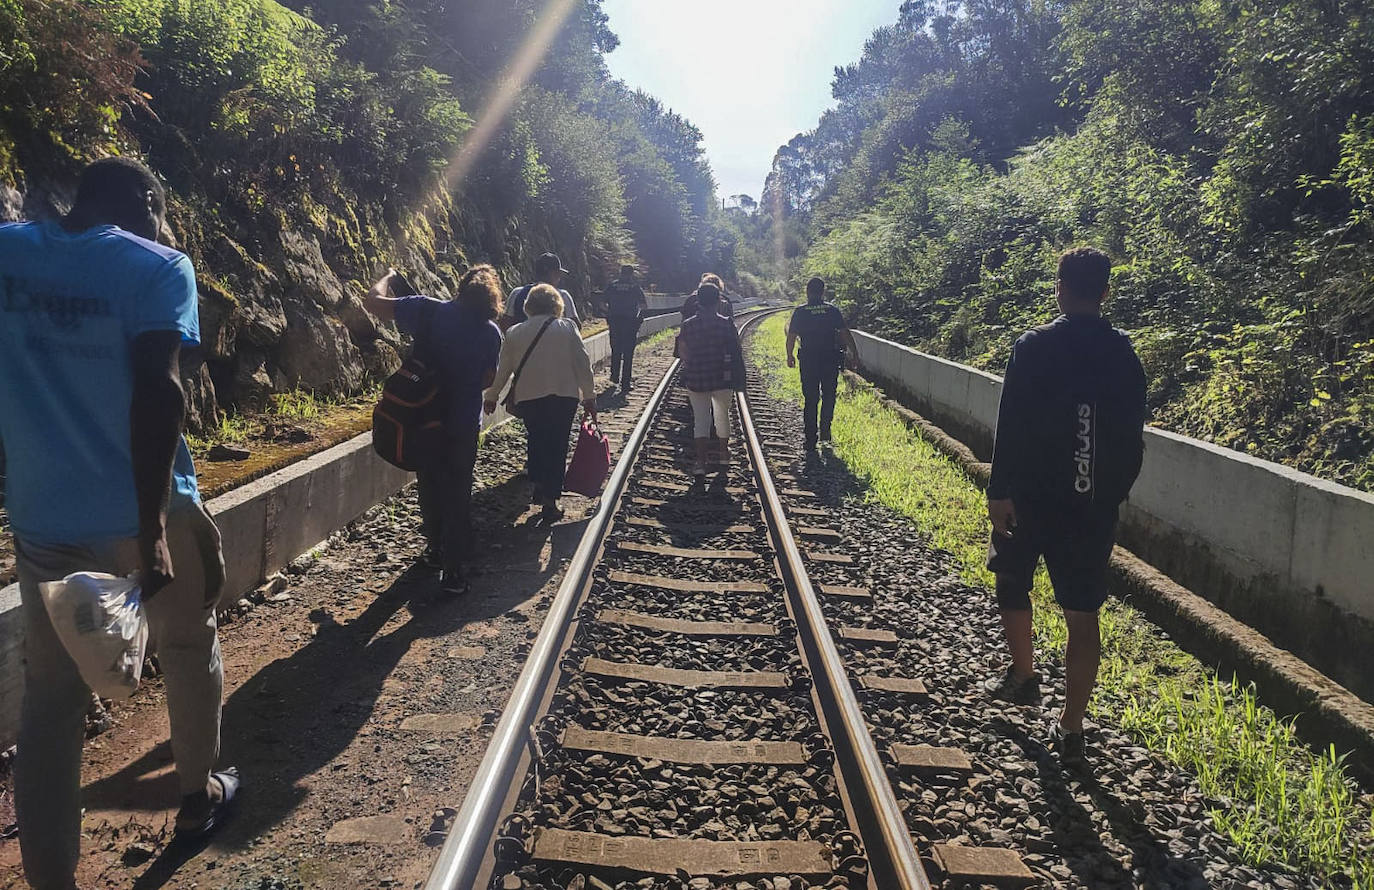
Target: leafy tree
(1220, 151)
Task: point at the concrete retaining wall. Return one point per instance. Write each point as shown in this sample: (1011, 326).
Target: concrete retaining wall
(664, 302)
(1287, 553)
(271, 521)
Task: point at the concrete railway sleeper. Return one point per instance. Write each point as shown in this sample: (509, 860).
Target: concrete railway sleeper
(686, 719)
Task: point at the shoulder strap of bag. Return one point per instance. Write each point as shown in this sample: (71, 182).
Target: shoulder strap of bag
(526, 357)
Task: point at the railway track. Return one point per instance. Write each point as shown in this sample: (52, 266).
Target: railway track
(692, 715)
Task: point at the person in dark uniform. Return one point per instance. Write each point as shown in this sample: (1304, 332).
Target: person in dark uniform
(824, 339)
(625, 307)
(1068, 449)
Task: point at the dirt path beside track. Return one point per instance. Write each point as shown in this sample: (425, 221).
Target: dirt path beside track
(358, 700)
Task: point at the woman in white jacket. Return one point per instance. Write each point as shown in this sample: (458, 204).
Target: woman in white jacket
(556, 374)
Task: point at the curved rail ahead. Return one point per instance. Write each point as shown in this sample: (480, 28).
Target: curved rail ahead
(464, 860)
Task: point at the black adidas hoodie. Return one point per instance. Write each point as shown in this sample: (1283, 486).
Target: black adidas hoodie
(1070, 426)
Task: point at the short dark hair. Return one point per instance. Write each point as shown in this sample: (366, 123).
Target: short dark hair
(480, 290)
(1084, 273)
(627, 269)
(116, 190)
(815, 288)
(708, 294)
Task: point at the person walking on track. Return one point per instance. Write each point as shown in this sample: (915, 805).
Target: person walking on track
(1068, 449)
(712, 370)
(548, 269)
(551, 371)
(94, 315)
(625, 307)
(723, 305)
(824, 340)
(460, 339)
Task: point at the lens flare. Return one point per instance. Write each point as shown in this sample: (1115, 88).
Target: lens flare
(508, 89)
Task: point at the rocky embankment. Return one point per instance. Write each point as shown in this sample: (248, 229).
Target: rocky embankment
(281, 290)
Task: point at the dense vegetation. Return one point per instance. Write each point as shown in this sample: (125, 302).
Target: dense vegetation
(308, 144)
(1221, 150)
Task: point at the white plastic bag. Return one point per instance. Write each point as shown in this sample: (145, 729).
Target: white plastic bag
(101, 624)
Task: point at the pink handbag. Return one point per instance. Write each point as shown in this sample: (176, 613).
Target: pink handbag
(591, 462)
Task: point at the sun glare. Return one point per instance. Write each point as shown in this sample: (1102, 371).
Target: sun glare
(508, 90)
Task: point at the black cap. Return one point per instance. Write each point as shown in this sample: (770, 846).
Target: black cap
(547, 263)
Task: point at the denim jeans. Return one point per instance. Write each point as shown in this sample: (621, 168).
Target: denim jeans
(547, 423)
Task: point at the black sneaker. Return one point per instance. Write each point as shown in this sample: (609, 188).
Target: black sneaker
(454, 584)
(1009, 687)
(1067, 746)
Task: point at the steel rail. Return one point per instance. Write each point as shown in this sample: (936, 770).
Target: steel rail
(895, 863)
(462, 858)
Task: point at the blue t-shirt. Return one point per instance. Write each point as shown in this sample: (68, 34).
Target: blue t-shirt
(71, 305)
(464, 346)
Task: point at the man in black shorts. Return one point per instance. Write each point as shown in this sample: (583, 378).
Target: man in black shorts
(824, 338)
(1069, 447)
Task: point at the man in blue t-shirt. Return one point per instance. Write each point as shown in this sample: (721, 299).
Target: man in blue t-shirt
(93, 317)
(460, 339)
(824, 338)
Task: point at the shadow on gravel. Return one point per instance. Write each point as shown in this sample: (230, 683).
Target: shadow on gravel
(702, 513)
(299, 714)
(1077, 836)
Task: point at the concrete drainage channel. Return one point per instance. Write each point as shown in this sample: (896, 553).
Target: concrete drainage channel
(271, 521)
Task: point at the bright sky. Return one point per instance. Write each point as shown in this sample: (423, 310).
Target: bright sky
(750, 73)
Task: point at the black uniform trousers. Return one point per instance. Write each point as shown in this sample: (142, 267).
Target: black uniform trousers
(547, 422)
(624, 335)
(820, 378)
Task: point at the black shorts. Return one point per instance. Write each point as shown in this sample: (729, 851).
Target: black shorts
(1077, 546)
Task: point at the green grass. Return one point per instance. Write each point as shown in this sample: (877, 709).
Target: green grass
(1276, 799)
(653, 339)
(296, 406)
(232, 428)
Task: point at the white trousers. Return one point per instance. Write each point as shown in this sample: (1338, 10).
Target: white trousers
(705, 406)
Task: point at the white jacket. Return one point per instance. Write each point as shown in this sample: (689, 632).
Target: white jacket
(558, 365)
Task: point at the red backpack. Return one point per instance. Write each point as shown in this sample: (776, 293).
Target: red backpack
(408, 422)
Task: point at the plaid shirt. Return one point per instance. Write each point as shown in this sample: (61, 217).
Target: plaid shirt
(709, 346)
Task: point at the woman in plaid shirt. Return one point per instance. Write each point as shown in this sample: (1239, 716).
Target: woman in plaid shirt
(712, 369)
